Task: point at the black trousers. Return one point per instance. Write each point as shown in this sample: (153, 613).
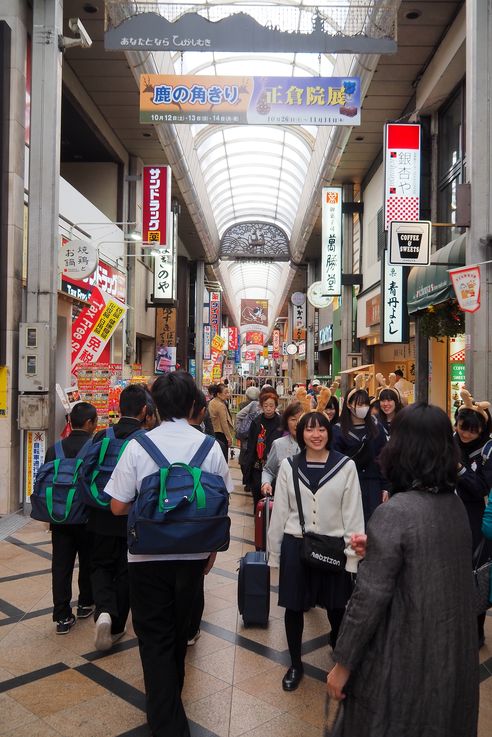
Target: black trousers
(162, 594)
(68, 542)
(222, 441)
(197, 610)
(109, 578)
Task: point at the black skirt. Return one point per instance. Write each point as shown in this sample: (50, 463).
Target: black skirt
(302, 587)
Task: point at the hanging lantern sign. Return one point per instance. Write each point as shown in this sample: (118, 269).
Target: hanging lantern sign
(466, 284)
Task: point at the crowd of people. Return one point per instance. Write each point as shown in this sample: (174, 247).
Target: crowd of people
(378, 507)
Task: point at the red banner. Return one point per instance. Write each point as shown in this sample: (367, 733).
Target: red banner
(254, 338)
(250, 356)
(276, 343)
(233, 339)
(106, 277)
(156, 206)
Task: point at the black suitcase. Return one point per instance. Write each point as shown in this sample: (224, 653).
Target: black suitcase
(253, 586)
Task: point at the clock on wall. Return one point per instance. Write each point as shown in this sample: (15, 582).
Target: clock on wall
(316, 297)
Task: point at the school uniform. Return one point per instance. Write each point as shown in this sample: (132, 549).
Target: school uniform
(364, 448)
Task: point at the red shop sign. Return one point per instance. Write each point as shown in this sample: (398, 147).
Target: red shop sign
(156, 206)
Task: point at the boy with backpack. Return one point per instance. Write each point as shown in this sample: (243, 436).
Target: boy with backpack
(71, 540)
(163, 586)
(109, 567)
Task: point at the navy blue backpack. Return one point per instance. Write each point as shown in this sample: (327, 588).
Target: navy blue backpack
(99, 464)
(60, 489)
(180, 508)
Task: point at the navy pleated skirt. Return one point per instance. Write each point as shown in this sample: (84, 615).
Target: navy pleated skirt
(302, 587)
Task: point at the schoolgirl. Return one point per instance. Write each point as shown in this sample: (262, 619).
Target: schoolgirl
(361, 437)
(389, 402)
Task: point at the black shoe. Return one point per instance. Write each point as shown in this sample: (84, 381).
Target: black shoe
(63, 626)
(85, 611)
(292, 678)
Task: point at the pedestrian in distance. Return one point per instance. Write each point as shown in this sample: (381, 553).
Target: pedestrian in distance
(163, 587)
(72, 540)
(265, 428)
(406, 655)
(331, 505)
(388, 402)
(220, 416)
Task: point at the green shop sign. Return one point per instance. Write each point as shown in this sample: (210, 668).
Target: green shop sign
(458, 371)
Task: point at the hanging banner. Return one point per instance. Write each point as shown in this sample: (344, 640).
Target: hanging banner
(254, 337)
(250, 356)
(276, 343)
(224, 332)
(35, 452)
(94, 327)
(249, 100)
(233, 338)
(207, 343)
(215, 312)
(331, 241)
(401, 172)
(466, 284)
(394, 303)
(254, 313)
(165, 273)
(156, 206)
(299, 322)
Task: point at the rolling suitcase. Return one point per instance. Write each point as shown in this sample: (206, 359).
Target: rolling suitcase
(261, 525)
(253, 585)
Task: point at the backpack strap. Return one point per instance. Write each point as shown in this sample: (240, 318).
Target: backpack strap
(202, 452)
(153, 451)
(84, 450)
(58, 448)
(110, 433)
(486, 451)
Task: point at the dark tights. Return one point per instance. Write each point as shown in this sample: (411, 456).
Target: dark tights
(294, 625)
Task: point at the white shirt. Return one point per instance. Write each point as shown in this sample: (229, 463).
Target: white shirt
(178, 441)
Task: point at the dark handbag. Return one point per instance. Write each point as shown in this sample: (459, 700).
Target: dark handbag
(322, 552)
(481, 576)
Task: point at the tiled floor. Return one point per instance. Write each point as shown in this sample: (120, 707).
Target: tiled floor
(52, 686)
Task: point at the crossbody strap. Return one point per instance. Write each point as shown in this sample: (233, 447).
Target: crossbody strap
(295, 477)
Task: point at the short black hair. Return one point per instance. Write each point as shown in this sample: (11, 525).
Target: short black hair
(81, 412)
(291, 410)
(420, 452)
(359, 397)
(311, 419)
(473, 421)
(133, 399)
(398, 372)
(389, 395)
(333, 403)
(174, 394)
(200, 403)
(151, 408)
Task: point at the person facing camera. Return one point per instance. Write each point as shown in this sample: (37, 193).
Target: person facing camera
(331, 505)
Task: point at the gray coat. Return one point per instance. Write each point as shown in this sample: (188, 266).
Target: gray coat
(409, 634)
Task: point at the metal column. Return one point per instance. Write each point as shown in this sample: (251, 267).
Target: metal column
(347, 291)
(311, 278)
(479, 156)
(199, 294)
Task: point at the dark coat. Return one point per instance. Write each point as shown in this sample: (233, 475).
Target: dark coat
(474, 483)
(409, 634)
(272, 427)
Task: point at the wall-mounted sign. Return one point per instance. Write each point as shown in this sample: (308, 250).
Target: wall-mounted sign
(325, 335)
(276, 343)
(233, 339)
(77, 259)
(298, 298)
(157, 228)
(291, 349)
(249, 100)
(373, 311)
(299, 321)
(35, 452)
(215, 312)
(331, 241)
(316, 297)
(207, 343)
(466, 284)
(395, 316)
(165, 266)
(401, 172)
(106, 277)
(266, 28)
(410, 243)
(254, 312)
(254, 337)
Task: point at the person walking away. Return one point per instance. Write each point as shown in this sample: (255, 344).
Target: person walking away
(163, 587)
(220, 415)
(263, 431)
(408, 640)
(362, 438)
(109, 566)
(71, 541)
(331, 505)
(472, 437)
(284, 447)
(248, 410)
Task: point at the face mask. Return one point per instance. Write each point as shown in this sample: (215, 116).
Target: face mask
(361, 412)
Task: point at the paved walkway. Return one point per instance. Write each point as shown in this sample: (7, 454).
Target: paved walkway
(52, 685)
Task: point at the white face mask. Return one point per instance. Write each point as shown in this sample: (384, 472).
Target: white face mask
(361, 412)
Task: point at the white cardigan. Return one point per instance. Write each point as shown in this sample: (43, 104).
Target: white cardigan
(335, 510)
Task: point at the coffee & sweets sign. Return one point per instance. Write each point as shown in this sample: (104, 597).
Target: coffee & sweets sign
(410, 243)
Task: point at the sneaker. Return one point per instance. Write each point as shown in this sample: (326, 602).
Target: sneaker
(84, 611)
(193, 639)
(103, 640)
(63, 626)
(117, 636)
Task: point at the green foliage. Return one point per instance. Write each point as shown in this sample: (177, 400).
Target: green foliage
(443, 320)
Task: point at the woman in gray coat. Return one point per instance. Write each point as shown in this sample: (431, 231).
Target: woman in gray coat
(407, 655)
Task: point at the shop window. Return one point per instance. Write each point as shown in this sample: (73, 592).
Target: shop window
(451, 163)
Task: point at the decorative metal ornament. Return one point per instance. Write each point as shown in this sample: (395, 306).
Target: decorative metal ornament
(254, 240)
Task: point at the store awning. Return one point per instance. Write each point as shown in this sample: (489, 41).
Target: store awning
(430, 285)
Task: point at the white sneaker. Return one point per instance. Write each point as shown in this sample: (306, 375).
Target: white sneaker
(104, 638)
(117, 636)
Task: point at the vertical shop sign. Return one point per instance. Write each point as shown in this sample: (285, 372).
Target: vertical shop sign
(4, 379)
(331, 241)
(156, 206)
(165, 339)
(224, 334)
(394, 302)
(207, 342)
(215, 313)
(299, 322)
(165, 266)
(401, 172)
(35, 452)
(276, 343)
(233, 338)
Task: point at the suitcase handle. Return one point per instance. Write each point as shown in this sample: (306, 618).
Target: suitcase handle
(267, 524)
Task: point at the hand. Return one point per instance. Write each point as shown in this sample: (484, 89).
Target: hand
(385, 496)
(210, 563)
(336, 680)
(266, 489)
(358, 543)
